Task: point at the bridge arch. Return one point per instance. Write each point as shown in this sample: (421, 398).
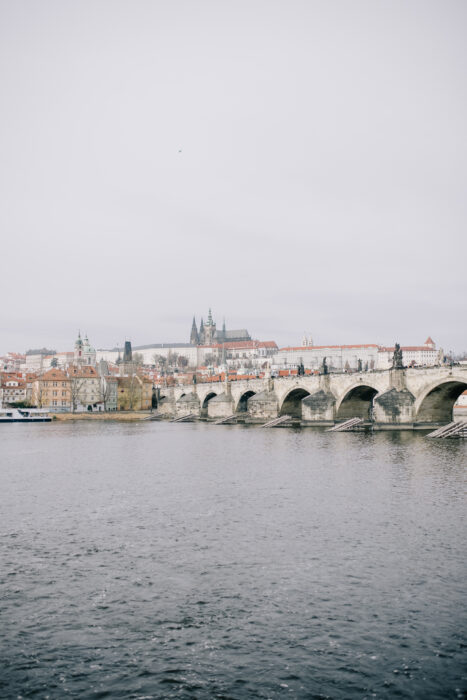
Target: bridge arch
(242, 403)
(435, 404)
(356, 402)
(292, 403)
(204, 403)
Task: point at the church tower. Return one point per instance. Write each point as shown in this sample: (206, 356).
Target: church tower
(78, 352)
(194, 337)
(89, 354)
(201, 332)
(209, 330)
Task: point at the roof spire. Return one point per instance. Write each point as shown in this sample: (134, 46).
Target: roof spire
(194, 338)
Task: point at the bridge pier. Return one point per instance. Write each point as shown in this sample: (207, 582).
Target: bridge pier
(319, 408)
(394, 407)
(186, 404)
(221, 406)
(167, 406)
(262, 407)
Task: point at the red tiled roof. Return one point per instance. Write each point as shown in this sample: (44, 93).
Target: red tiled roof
(409, 348)
(85, 371)
(239, 344)
(54, 374)
(328, 347)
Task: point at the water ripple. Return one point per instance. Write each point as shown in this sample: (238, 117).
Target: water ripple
(165, 561)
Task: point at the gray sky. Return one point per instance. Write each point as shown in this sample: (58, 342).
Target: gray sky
(296, 165)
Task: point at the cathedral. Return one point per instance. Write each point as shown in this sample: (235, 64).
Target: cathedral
(209, 335)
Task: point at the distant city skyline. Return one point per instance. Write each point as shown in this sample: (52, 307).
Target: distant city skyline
(294, 339)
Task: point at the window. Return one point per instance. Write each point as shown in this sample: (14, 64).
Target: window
(54, 384)
(63, 403)
(55, 393)
(63, 383)
(63, 393)
(54, 403)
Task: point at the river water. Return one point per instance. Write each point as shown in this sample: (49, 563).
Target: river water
(158, 560)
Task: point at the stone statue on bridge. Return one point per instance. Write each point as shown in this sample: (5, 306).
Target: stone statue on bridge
(397, 357)
(324, 367)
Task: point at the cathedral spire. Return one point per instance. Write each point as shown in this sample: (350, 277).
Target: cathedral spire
(194, 337)
(201, 332)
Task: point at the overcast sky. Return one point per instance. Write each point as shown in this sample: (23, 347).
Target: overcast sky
(296, 165)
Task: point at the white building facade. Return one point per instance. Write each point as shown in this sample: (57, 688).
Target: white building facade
(426, 355)
(338, 357)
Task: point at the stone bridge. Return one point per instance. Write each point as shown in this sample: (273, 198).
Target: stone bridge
(396, 398)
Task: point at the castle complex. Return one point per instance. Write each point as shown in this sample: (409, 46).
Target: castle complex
(209, 335)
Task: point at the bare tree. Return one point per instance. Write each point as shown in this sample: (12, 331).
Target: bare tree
(76, 385)
(159, 360)
(172, 359)
(138, 359)
(182, 361)
(39, 395)
(133, 390)
(105, 391)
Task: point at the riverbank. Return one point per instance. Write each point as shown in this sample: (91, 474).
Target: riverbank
(110, 415)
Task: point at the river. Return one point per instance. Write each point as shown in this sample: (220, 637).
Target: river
(158, 560)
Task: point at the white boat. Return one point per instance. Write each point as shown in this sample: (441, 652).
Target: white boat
(24, 415)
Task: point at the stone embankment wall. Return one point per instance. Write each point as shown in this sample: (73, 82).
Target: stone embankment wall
(110, 415)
